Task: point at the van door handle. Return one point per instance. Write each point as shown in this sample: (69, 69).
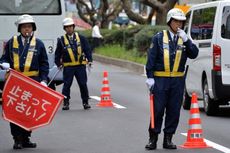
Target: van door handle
(205, 45)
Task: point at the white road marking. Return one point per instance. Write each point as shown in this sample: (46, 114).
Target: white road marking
(115, 104)
(214, 145)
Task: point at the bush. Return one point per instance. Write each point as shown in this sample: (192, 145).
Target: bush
(137, 37)
(143, 38)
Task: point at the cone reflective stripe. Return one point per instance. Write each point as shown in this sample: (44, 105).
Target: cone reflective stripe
(194, 136)
(106, 100)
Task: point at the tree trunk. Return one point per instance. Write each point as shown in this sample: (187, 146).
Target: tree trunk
(161, 17)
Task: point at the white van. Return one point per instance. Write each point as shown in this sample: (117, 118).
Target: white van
(208, 26)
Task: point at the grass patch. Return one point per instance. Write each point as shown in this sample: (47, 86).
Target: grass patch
(116, 51)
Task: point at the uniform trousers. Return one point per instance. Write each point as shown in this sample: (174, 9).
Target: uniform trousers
(168, 96)
(80, 74)
(17, 131)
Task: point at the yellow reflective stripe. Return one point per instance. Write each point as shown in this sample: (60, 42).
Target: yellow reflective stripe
(15, 42)
(15, 55)
(177, 61)
(66, 41)
(168, 74)
(165, 37)
(180, 41)
(69, 49)
(31, 73)
(74, 63)
(166, 60)
(166, 52)
(33, 41)
(30, 54)
(16, 61)
(29, 58)
(78, 45)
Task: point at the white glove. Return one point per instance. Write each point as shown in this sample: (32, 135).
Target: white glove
(150, 83)
(5, 66)
(182, 34)
(44, 83)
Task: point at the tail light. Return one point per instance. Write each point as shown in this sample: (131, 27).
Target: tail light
(216, 58)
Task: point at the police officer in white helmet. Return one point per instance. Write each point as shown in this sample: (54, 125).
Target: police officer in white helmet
(165, 67)
(73, 53)
(35, 66)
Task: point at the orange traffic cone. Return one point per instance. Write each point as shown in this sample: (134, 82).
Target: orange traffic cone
(106, 100)
(194, 136)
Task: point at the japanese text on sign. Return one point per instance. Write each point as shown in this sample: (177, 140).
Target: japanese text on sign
(24, 102)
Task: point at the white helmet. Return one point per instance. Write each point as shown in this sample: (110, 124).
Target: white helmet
(67, 22)
(175, 13)
(25, 19)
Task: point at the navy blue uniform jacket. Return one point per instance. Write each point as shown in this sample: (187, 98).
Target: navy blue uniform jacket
(62, 53)
(155, 60)
(39, 61)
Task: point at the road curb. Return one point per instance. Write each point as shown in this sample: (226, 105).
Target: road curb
(135, 67)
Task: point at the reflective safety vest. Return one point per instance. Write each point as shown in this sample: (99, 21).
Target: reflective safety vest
(167, 72)
(30, 53)
(80, 56)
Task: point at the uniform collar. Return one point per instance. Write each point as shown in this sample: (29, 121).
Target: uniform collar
(69, 36)
(23, 38)
(172, 34)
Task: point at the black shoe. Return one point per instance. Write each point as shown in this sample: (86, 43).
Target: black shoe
(29, 145)
(152, 145)
(65, 104)
(65, 107)
(17, 145)
(167, 143)
(86, 106)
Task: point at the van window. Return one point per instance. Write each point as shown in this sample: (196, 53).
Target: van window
(202, 23)
(35, 7)
(225, 24)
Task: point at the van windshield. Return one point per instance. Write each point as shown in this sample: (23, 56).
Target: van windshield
(33, 7)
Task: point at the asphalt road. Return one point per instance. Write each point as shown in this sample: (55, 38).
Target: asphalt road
(121, 129)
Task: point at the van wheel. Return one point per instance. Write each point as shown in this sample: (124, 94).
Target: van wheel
(186, 100)
(210, 106)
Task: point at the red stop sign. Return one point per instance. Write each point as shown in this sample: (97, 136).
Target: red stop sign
(27, 103)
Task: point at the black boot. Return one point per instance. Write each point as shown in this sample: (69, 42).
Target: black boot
(152, 142)
(167, 144)
(65, 104)
(86, 105)
(28, 144)
(17, 143)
